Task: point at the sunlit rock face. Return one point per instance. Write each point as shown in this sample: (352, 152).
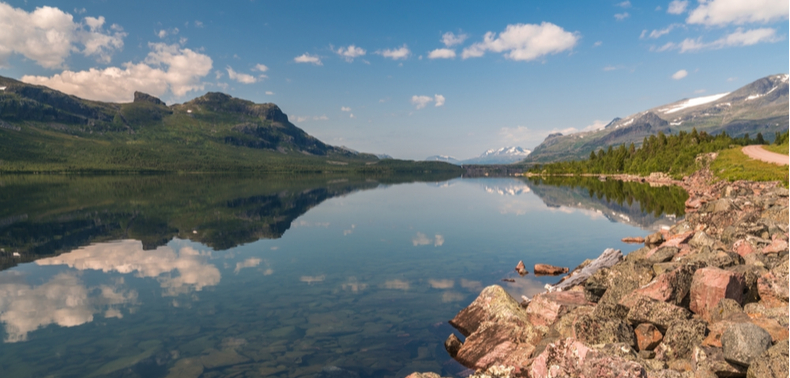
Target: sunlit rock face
(128, 256)
(63, 300)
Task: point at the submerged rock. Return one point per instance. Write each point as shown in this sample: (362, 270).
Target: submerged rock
(521, 269)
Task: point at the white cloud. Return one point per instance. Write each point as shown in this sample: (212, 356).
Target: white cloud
(659, 32)
(309, 118)
(198, 24)
(420, 102)
(595, 125)
(307, 58)
(524, 42)
(723, 12)
(441, 284)
(439, 99)
(128, 256)
(270, 93)
(680, 74)
(351, 115)
(677, 6)
(165, 32)
(597, 43)
(241, 77)
(350, 52)
(402, 52)
(422, 239)
(167, 67)
(441, 54)
(248, 263)
(80, 11)
(450, 39)
(260, 68)
(48, 36)
(624, 4)
(63, 300)
(737, 38)
(621, 16)
(345, 109)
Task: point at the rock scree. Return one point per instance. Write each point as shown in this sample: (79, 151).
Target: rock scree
(706, 298)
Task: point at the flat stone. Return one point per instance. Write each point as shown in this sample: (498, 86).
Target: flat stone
(633, 239)
(710, 285)
(773, 363)
(743, 342)
(647, 336)
(550, 270)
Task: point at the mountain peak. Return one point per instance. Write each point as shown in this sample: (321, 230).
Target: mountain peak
(145, 97)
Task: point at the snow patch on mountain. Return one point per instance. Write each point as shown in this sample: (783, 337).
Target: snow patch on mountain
(693, 102)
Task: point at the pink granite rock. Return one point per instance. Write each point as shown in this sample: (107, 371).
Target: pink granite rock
(669, 287)
(545, 309)
(773, 290)
(743, 247)
(710, 285)
(495, 343)
(571, 358)
(776, 246)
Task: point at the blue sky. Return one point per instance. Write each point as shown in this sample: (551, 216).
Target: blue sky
(406, 78)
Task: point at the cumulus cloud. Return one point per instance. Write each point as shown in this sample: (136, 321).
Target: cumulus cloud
(128, 256)
(63, 300)
(624, 4)
(737, 38)
(738, 12)
(166, 68)
(345, 109)
(441, 54)
(420, 102)
(524, 42)
(350, 52)
(441, 284)
(270, 93)
(621, 16)
(309, 118)
(165, 32)
(241, 77)
(260, 68)
(307, 58)
(422, 239)
(399, 53)
(677, 6)
(248, 263)
(48, 36)
(450, 39)
(680, 74)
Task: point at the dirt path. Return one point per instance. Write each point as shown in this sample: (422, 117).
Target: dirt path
(757, 152)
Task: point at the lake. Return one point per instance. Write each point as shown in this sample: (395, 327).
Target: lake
(321, 276)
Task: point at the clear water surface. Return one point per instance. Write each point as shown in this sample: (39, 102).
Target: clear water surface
(337, 277)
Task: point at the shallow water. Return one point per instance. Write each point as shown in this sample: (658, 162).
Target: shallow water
(191, 277)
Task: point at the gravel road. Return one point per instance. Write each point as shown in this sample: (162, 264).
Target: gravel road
(757, 152)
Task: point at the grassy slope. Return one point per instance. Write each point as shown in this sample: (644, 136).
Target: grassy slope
(734, 165)
(780, 149)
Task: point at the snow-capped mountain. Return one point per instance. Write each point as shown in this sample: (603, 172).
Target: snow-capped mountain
(504, 155)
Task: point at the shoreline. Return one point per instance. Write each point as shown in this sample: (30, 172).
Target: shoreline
(699, 300)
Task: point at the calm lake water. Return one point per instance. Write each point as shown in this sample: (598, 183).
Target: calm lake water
(246, 277)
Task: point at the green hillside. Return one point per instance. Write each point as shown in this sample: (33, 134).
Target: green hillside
(43, 130)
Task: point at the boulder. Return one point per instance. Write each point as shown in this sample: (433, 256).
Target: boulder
(743, 342)
(773, 363)
(773, 286)
(610, 311)
(710, 285)
(701, 239)
(662, 254)
(750, 275)
(647, 336)
(494, 343)
(545, 309)
(725, 309)
(571, 358)
(711, 359)
(672, 287)
(681, 338)
(549, 270)
(592, 330)
(620, 280)
(644, 309)
(654, 239)
(662, 268)
(493, 304)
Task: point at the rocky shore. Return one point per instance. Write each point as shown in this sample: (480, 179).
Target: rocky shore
(706, 298)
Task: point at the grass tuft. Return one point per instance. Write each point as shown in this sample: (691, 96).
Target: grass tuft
(734, 165)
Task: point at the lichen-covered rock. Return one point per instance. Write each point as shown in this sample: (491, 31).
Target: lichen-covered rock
(662, 254)
(672, 287)
(701, 239)
(571, 358)
(654, 239)
(725, 308)
(647, 336)
(545, 309)
(495, 343)
(773, 363)
(710, 285)
(743, 342)
(610, 311)
(624, 278)
(493, 304)
(593, 330)
(643, 309)
(681, 338)
(773, 286)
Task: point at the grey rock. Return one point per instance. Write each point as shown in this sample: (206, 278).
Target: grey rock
(701, 239)
(654, 239)
(773, 363)
(663, 254)
(592, 330)
(743, 342)
(681, 338)
(726, 308)
(658, 313)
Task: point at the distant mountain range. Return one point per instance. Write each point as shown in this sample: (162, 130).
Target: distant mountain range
(761, 106)
(504, 155)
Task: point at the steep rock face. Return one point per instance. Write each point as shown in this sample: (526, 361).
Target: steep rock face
(217, 101)
(145, 97)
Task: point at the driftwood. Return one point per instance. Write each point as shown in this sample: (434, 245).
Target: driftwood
(607, 259)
